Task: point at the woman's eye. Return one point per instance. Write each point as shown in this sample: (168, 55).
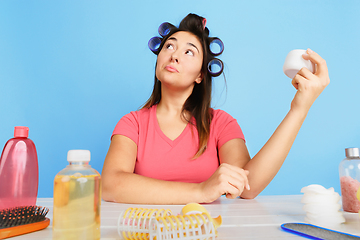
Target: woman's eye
(189, 52)
(169, 46)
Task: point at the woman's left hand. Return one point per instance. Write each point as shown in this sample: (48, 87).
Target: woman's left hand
(309, 85)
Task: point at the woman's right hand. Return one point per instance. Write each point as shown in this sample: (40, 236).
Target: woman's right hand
(227, 179)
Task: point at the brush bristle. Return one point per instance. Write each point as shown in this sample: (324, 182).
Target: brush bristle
(22, 215)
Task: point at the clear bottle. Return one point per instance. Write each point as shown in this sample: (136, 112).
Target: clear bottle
(349, 171)
(77, 199)
(19, 172)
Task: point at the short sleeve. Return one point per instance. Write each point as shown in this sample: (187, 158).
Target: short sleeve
(128, 126)
(226, 127)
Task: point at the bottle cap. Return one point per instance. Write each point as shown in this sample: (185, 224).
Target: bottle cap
(21, 132)
(78, 156)
(352, 152)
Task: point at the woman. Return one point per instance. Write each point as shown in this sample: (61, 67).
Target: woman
(177, 150)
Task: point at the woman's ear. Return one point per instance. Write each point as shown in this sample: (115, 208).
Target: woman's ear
(199, 78)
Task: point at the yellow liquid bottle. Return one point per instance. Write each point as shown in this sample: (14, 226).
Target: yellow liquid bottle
(77, 199)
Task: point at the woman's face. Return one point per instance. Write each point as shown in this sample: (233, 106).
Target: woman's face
(180, 61)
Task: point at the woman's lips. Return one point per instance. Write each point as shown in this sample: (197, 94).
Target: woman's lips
(171, 68)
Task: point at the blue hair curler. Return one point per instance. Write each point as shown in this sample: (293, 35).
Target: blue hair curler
(165, 28)
(215, 67)
(216, 46)
(154, 44)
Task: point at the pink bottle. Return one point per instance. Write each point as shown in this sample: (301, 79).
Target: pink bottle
(19, 174)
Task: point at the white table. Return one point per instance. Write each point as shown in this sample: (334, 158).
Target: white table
(259, 218)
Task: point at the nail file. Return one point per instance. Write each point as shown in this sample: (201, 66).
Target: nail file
(315, 232)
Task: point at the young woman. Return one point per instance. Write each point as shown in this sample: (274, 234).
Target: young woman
(177, 149)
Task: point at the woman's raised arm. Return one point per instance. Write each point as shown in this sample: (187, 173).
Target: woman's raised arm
(266, 163)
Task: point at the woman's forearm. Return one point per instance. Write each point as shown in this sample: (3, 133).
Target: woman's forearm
(137, 189)
(266, 163)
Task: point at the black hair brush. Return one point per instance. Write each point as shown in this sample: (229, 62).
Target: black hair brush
(21, 220)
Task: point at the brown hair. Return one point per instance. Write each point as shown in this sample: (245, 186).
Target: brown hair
(198, 103)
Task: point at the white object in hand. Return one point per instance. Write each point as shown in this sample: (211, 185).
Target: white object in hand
(294, 62)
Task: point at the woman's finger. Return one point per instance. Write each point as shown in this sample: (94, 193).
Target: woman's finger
(239, 181)
(297, 81)
(233, 192)
(321, 67)
(245, 174)
(305, 73)
(242, 175)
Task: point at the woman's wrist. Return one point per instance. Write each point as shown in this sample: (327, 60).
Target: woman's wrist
(198, 193)
(299, 111)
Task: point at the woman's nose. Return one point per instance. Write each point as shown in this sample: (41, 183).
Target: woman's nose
(174, 57)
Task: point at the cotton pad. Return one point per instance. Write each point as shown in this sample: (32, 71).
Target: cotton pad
(321, 205)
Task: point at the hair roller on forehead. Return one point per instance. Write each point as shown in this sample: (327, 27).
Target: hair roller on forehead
(155, 42)
(195, 24)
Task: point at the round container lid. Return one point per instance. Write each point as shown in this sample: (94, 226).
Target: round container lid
(352, 152)
(78, 156)
(21, 131)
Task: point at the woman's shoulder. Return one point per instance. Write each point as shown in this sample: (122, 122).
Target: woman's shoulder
(134, 119)
(141, 113)
(221, 119)
(218, 114)
(225, 126)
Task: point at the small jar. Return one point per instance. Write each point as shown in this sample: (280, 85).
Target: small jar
(349, 171)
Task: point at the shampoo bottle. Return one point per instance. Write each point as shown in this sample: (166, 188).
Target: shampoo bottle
(19, 174)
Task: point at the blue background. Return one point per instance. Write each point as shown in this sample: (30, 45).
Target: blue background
(69, 70)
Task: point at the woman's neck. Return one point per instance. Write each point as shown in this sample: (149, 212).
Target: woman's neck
(172, 102)
(169, 108)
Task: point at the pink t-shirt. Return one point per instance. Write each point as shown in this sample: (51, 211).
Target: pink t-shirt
(161, 158)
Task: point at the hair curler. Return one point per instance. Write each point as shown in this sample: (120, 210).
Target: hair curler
(215, 67)
(194, 223)
(216, 46)
(154, 44)
(165, 28)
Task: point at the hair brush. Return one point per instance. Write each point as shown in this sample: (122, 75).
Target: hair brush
(21, 220)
